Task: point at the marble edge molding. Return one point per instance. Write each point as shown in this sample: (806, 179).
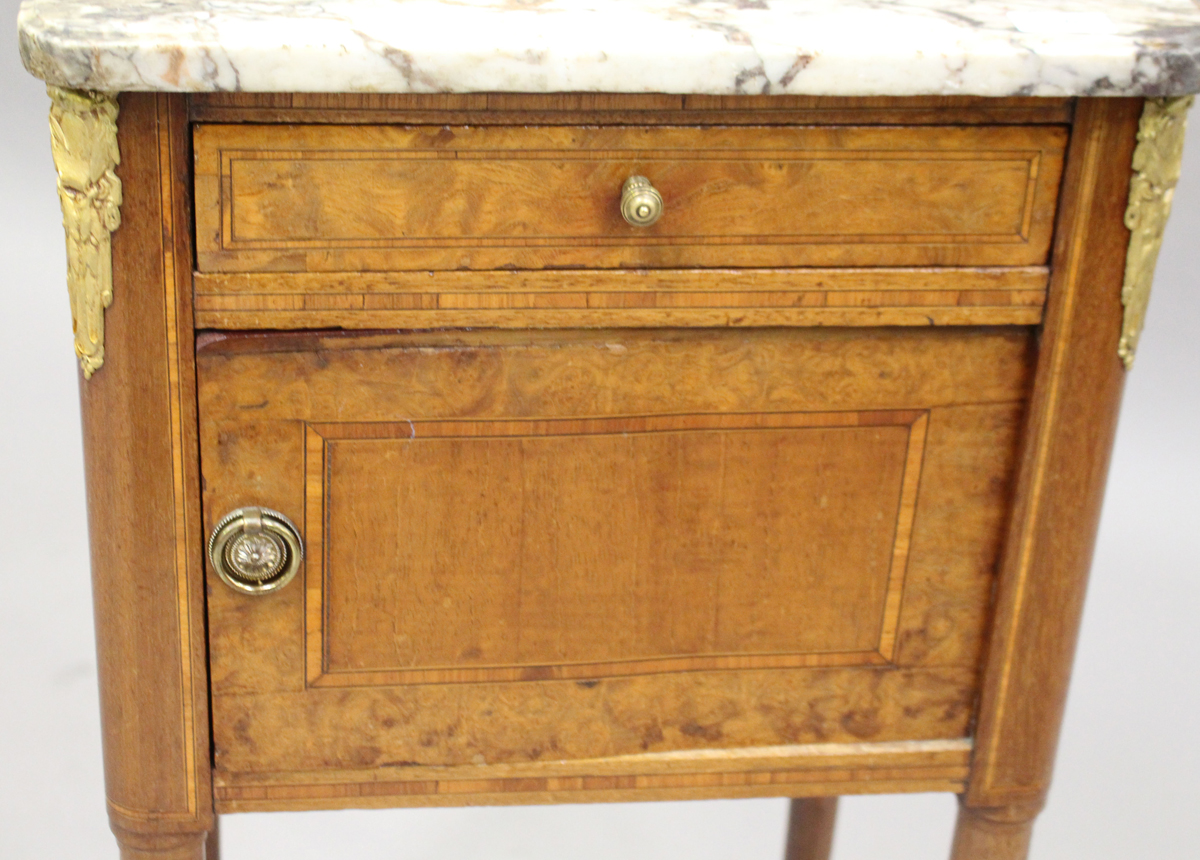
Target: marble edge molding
(83, 139)
(718, 47)
(1157, 162)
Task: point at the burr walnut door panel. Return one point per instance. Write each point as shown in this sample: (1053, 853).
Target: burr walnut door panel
(567, 545)
(328, 198)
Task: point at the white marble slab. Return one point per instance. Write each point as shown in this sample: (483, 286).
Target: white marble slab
(813, 47)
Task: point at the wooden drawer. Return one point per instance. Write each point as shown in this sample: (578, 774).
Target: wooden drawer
(532, 550)
(325, 198)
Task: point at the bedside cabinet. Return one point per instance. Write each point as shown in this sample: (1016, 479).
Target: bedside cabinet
(487, 449)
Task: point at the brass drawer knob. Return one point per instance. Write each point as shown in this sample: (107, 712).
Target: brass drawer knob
(255, 550)
(641, 204)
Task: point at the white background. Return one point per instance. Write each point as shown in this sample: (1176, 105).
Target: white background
(1128, 776)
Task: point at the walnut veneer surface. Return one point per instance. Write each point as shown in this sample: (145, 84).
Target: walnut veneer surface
(338, 198)
(793, 493)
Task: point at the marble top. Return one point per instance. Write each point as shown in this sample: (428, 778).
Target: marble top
(810, 47)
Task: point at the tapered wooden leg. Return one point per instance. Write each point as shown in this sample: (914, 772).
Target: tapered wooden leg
(212, 845)
(995, 833)
(160, 846)
(1071, 421)
(810, 828)
(144, 522)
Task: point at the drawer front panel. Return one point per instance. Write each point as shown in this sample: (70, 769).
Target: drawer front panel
(374, 198)
(526, 549)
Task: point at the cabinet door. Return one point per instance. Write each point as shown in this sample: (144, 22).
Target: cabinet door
(567, 546)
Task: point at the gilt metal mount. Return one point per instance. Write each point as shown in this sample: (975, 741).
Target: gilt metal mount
(83, 136)
(1156, 165)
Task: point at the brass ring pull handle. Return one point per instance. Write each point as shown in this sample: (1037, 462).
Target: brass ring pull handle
(255, 550)
(641, 204)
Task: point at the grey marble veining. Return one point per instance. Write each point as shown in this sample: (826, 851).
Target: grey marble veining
(812, 47)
